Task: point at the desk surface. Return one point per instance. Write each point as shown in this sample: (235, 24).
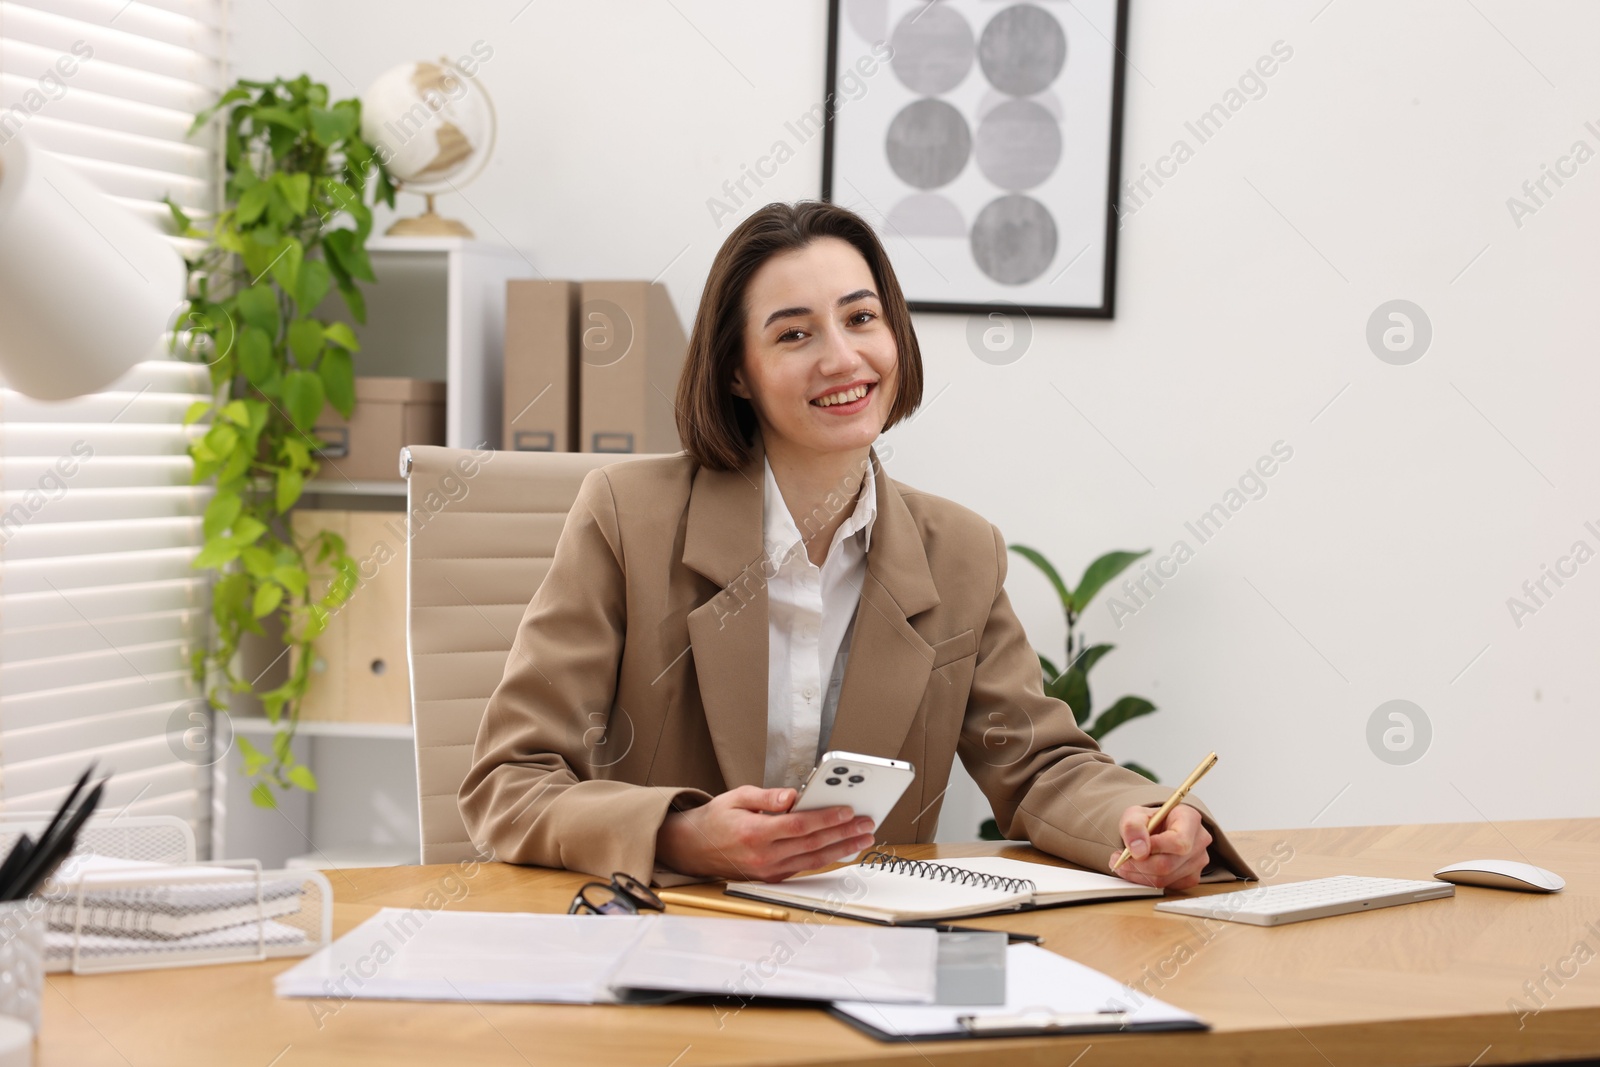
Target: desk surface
(1430, 983)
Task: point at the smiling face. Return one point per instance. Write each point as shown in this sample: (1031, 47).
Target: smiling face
(820, 363)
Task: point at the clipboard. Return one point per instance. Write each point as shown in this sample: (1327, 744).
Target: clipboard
(1045, 994)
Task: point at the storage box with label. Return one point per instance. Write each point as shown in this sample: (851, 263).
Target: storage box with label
(390, 414)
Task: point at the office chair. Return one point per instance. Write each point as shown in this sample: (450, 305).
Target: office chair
(482, 528)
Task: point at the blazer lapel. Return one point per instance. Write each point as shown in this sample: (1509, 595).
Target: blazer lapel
(728, 633)
(890, 663)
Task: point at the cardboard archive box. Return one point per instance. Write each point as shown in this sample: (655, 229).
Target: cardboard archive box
(631, 349)
(390, 414)
(541, 367)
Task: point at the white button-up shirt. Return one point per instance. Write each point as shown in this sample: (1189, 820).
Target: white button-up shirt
(810, 614)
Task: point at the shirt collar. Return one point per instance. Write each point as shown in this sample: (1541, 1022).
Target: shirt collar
(778, 526)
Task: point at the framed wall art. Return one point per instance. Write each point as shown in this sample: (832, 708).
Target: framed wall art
(982, 139)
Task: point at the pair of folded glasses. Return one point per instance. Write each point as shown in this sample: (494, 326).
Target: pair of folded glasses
(623, 895)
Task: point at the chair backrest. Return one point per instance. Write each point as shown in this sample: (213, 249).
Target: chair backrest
(482, 528)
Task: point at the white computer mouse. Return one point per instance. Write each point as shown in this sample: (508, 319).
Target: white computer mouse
(1502, 874)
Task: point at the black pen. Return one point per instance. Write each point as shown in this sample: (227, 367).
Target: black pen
(48, 856)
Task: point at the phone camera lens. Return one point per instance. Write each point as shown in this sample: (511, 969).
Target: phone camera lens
(833, 781)
(841, 770)
(857, 778)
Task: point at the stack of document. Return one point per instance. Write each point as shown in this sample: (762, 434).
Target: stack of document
(599, 959)
(101, 907)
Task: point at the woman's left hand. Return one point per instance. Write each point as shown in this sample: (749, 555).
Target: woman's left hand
(1172, 857)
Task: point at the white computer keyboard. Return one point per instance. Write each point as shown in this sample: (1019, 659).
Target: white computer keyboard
(1292, 902)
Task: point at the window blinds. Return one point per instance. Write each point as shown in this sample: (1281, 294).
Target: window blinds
(111, 86)
(100, 610)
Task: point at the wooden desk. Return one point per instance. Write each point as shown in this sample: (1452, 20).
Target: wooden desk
(1425, 983)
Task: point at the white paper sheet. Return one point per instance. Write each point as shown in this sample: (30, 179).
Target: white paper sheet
(468, 955)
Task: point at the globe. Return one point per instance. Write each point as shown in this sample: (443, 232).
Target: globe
(434, 127)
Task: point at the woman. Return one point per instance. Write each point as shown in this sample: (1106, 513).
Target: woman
(712, 621)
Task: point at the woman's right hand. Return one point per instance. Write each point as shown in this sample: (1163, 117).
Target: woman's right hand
(735, 837)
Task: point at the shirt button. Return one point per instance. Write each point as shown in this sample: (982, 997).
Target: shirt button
(809, 693)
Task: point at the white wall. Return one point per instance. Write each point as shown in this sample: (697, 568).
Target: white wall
(1377, 166)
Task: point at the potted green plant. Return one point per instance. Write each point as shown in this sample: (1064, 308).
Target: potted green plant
(293, 227)
(1070, 682)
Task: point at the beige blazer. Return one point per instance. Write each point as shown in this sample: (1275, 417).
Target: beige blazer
(637, 683)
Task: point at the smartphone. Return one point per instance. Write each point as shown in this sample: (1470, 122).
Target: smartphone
(870, 785)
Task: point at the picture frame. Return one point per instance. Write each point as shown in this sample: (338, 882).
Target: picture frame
(983, 141)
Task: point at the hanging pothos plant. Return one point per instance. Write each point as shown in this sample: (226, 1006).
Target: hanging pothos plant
(293, 226)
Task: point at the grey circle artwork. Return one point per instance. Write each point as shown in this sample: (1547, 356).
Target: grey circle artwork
(927, 144)
(1018, 145)
(933, 50)
(1398, 732)
(1022, 50)
(1399, 332)
(1013, 239)
(1001, 335)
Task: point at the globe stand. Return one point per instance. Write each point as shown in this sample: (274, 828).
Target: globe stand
(429, 224)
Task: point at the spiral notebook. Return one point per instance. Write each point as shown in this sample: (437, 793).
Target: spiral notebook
(888, 889)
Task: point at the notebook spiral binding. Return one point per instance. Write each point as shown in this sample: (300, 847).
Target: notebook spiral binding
(887, 861)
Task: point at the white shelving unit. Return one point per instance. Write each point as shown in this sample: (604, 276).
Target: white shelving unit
(436, 312)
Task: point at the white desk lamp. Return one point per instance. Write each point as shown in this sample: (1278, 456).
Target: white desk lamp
(87, 288)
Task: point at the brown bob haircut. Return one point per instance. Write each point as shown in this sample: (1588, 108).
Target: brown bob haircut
(715, 426)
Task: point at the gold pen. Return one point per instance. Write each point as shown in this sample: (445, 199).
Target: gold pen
(1173, 801)
(692, 900)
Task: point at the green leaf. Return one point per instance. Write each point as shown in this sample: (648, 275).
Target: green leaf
(291, 578)
(302, 398)
(1038, 560)
(353, 299)
(339, 380)
(258, 562)
(300, 775)
(258, 306)
(180, 221)
(296, 189)
(1072, 687)
(315, 281)
(254, 758)
(286, 263)
(236, 412)
(268, 597)
(305, 341)
(1098, 573)
(1137, 768)
(350, 254)
(342, 335)
(247, 530)
(221, 438)
(255, 357)
(290, 485)
(223, 101)
(261, 795)
(196, 411)
(216, 555)
(1090, 656)
(220, 514)
(278, 117)
(330, 127)
(1117, 714)
(252, 204)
